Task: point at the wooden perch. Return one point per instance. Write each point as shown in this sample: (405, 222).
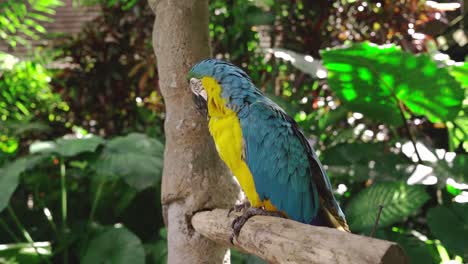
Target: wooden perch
(280, 240)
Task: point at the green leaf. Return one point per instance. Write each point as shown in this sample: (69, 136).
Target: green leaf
(373, 79)
(136, 158)
(67, 147)
(363, 161)
(399, 201)
(116, 246)
(419, 252)
(72, 147)
(9, 176)
(449, 225)
(460, 73)
(458, 132)
(456, 169)
(157, 251)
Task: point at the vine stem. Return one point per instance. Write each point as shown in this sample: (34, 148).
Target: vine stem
(64, 204)
(96, 199)
(9, 231)
(410, 134)
(26, 234)
(374, 229)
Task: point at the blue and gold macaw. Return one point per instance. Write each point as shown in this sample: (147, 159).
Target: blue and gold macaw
(264, 148)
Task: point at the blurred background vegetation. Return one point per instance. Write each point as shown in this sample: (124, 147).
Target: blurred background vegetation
(379, 86)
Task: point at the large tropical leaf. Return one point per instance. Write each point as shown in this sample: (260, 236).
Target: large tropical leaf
(136, 158)
(9, 176)
(363, 161)
(67, 147)
(374, 80)
(458, 131)
(399, 201)
(450, 226)
(460, 72)
(458, 128)
(114, 245)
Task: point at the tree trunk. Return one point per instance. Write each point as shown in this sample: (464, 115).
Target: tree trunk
(194, 177)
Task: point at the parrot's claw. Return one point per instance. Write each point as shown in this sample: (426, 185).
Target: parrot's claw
(239, 221)
(239, 207)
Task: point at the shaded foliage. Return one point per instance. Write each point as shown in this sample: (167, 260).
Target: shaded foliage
(115, 52)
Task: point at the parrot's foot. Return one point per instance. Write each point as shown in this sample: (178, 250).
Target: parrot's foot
(239, 207)
(239, 221)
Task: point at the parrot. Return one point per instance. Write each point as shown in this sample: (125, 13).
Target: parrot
(264, 148)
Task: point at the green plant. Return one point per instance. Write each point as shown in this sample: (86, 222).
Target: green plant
(25, 95)
(81, 176)
(21, 20)
(365, 117)
(380, 116)
(115, 52)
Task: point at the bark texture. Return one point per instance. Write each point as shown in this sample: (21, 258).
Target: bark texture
(194, 177)
(279, 240)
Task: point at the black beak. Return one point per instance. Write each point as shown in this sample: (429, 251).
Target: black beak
(201, 104)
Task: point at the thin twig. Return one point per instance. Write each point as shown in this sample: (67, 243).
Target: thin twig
(9, 231)
(410, 134)
(400, 107)
(26, 234)
(97, 196)
(376, 221)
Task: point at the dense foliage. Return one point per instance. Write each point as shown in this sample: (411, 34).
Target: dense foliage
(366, 80)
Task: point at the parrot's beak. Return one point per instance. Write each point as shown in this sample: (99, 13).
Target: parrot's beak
(197, 88)
(199, 96)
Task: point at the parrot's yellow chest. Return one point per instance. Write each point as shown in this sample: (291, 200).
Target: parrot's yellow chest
(226, 131)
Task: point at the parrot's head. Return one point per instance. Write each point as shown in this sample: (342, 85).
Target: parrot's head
(219, 81)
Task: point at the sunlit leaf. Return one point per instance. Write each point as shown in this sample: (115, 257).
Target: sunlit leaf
(449, 225)
(460, 72)
(115, 245)
(373, 79)
(16, 18)
(399, 201)
(458, 132)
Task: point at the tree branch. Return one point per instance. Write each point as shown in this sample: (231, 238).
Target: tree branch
(280, 240)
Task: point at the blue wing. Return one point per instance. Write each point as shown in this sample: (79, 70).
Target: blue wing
(284, 166)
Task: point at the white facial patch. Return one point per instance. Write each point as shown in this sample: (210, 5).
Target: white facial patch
(197, 88)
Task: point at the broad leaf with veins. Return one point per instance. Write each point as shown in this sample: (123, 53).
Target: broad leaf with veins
(374, 80)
